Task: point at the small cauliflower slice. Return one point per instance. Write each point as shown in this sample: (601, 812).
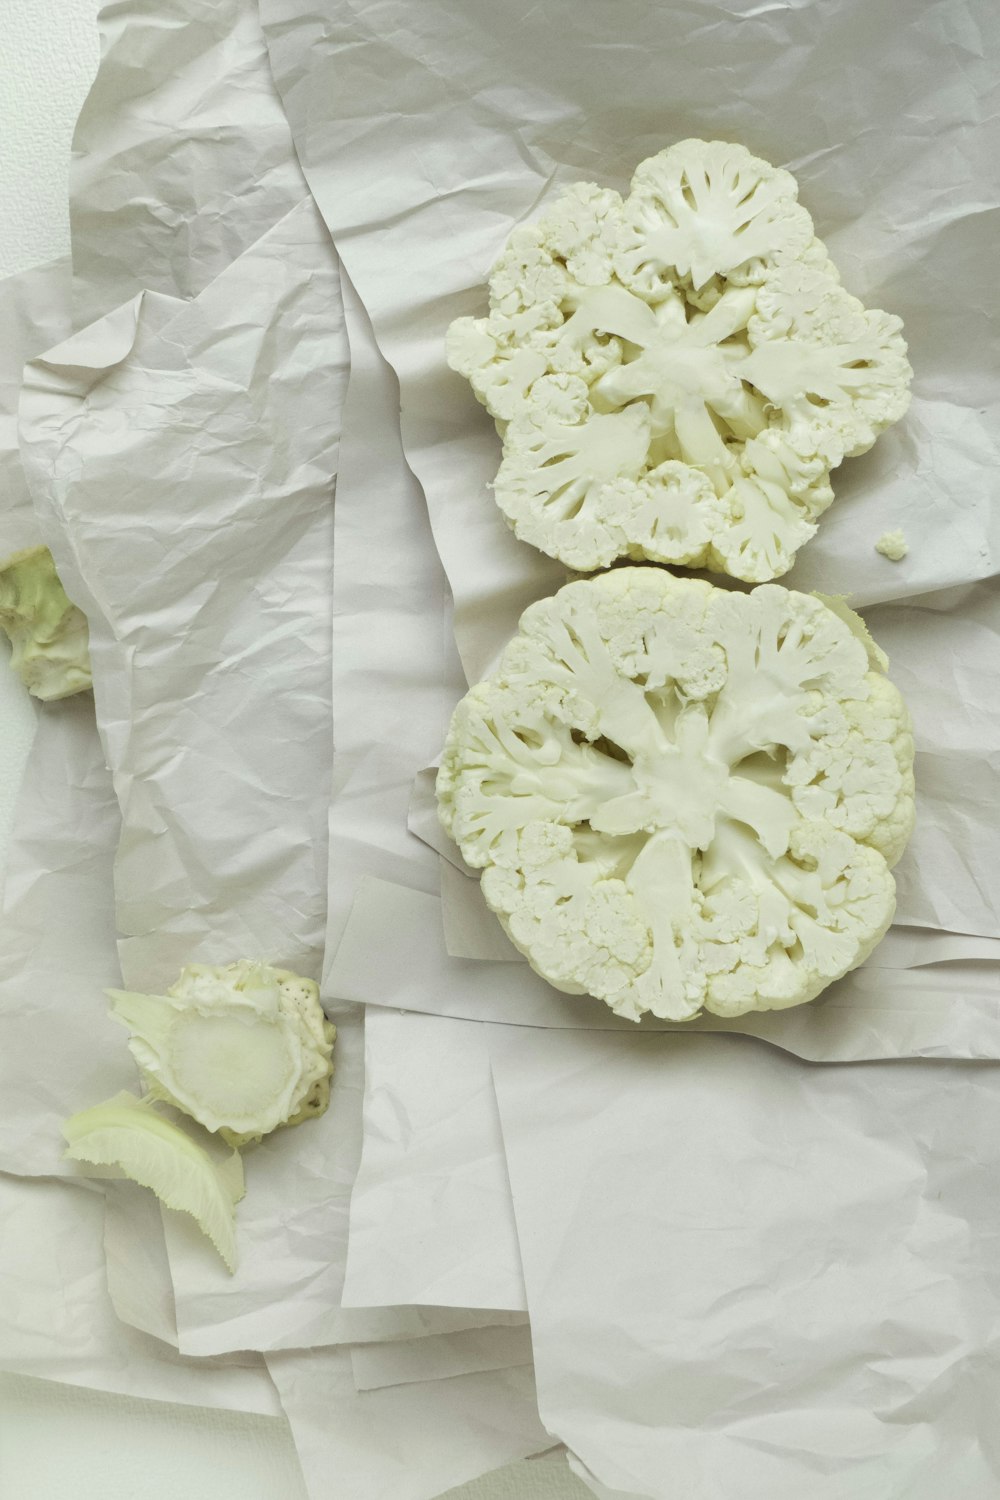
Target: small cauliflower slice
(243, 1048)
(702, 311)
(128, 1133)
(684, 798)
(48, 634)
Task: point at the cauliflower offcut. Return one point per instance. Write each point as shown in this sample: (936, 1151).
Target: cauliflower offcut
(893, 545)
(48, 634)
(129, 1134)
(675, 374)
(682, 797)
(241, 1048)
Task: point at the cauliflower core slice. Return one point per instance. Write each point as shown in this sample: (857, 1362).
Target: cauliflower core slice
(697, 323)
(241, 1048)
(682, 797)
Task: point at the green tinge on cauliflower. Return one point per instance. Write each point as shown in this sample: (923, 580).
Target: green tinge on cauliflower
(697, 323)
(684, 798)
(131, 1136)
(48, 634)
(242, 1049)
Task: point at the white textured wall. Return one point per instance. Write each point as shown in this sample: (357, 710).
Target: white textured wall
(59, 1443)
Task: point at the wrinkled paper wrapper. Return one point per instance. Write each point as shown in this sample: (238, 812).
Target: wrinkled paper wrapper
(533, 114)
(205, 375)
(890, 133)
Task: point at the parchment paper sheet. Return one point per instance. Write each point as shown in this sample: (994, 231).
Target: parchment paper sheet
(213, 577)
(59, 1049)
(182, 156)
(57, 1320)
(431, 1216)
(412, 1239)
(439, 1357)
(393, 670)
(750, 1277)
(407, 1442)
(34, 313)
(224, 781)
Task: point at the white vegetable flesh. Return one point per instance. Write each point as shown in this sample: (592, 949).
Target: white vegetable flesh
(676, 374)
(893, 545)
(241, 1048)
(128, 1133)
(683, 797)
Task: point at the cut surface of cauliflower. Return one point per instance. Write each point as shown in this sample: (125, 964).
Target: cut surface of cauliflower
(48, 634)
(683, 797)
(242, 1048)
(697, 325)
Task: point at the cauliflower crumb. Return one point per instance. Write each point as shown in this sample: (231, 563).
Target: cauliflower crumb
(893, 545)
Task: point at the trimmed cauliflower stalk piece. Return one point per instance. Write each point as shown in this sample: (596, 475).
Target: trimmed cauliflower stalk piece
(676, 374)
(48, 634)
(241, 1048)
(129, 1134)
(684, 798)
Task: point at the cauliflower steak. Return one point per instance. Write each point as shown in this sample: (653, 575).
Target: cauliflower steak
(683, 797)
(675, 374)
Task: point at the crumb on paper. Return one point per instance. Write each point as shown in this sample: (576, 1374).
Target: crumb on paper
(893, 545)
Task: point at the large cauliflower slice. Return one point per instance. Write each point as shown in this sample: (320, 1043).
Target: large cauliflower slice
(683, 797)
(675, 374)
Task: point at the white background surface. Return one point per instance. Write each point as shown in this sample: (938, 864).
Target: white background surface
(61, 1442)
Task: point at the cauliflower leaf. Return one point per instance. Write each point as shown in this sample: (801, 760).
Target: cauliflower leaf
(128, 1133)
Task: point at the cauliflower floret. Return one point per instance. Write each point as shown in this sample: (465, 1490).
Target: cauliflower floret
(582, 228)
(241, 1048)
(826, 360)
(708, 208)
(684, 797)
(48, 634)
(702, 318)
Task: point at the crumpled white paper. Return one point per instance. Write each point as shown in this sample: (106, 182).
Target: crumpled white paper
(182, 156)
(439, 1357)
(34, 313)
(752, 1277)
(412, 1240)
(57, 1320)
(431, 1216)
(226, 593)
(408, 1441)
(210, 576)
(57, 952)
(59, 1049)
